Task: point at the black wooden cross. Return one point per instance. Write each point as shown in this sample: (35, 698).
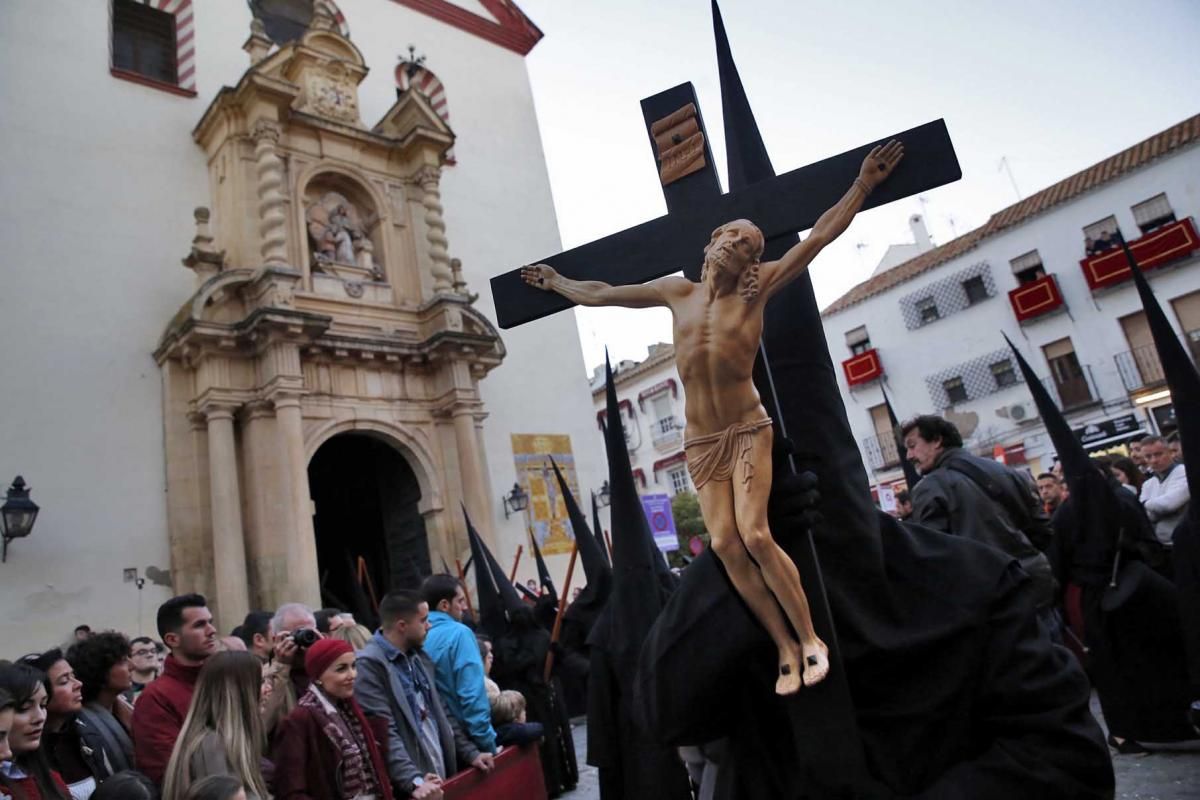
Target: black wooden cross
(787, 204)
(829, 753)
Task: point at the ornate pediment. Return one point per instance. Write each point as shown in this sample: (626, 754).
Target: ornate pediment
(412, 116)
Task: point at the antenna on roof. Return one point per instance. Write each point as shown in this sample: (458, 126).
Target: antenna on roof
(1003, 166)
(859, 247)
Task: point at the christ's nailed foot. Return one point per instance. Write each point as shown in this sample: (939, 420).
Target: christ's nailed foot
(816, 662)
(789, 671)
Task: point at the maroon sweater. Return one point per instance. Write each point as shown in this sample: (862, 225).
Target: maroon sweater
(158, 717)
(307, 765)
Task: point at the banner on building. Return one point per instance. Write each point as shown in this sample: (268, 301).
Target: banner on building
(662, 523)
(546, 515)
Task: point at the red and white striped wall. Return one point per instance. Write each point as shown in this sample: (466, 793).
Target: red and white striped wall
(428, 84)
(185, 39)
(185, 36)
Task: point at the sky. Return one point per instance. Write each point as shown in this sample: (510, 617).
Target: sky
(1049, 87)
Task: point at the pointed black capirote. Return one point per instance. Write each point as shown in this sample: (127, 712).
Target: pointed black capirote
(598, 531)
(1182, 379)
(486, 563)
(911, 476)
(637, 596)
(1074, 458)
(488, 605)
(590, 553)
(543, 573)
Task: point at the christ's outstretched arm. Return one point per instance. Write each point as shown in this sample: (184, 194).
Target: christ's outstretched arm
(876, 167)
(599, 293)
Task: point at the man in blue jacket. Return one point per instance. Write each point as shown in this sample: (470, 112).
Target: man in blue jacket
(455, 653)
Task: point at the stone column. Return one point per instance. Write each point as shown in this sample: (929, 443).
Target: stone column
(435, 230)
(470, 464)
(303, 583)
(229, 547)
(272, 219)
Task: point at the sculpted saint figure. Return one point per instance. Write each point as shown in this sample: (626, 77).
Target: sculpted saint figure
(717, 326)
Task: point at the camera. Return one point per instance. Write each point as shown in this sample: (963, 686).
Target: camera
(305, 637)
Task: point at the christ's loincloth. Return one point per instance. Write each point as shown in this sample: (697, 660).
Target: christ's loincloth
(732, 445)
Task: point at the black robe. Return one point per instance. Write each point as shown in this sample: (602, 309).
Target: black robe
(964, 695)
(629, 759)
(1135, 651)
(520, 664)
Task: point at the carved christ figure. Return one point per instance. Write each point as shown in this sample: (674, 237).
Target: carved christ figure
(717, 326)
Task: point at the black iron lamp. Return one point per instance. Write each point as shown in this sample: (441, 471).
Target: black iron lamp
(515, 501)
(604, 496)
(17, 515)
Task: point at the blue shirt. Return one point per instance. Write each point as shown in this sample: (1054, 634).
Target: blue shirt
(459, 676)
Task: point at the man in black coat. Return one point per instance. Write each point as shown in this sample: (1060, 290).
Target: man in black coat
(978, 499)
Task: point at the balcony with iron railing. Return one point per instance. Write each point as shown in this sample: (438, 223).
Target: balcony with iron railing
(1072, 392)
(1140, 368)
(666, 433)
(881, 451)
(1157, 248)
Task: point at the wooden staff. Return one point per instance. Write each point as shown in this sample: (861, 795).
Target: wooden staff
(562, 606)
(462, 578)
(513, 575)
(365, 577)
(608, 541)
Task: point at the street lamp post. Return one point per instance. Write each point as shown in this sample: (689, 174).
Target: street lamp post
(17, 515)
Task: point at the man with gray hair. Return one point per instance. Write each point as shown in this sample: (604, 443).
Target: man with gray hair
(293, 630)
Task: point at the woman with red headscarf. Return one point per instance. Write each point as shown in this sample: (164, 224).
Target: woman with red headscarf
(325, 749)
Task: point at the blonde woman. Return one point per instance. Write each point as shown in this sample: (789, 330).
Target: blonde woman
(223, 732)
(356, 636)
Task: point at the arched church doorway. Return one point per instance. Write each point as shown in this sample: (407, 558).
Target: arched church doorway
(369, 530)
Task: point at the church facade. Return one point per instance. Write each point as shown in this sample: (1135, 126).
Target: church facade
(302, 409)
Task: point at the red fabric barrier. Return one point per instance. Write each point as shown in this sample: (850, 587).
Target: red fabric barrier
(517, 776)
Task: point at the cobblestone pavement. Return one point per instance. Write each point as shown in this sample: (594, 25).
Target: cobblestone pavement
(1170, 772)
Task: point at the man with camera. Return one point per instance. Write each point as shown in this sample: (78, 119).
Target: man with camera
(293, 631)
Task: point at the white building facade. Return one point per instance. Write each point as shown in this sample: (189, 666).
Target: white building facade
(651, 401)
(930, 330)
(103, 169)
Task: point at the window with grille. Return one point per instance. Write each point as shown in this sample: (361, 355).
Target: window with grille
(858, 341)
(1003, 372)
(679, 480)
(928, 310)
(1153, 213)
(956, 392)
(975, 289)
(1100, 235)
(1028, 268)
(143, 40)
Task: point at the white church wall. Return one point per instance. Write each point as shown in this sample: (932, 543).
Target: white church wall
(101, 179)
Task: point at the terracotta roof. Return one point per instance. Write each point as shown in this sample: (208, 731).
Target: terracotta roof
(1142, 153)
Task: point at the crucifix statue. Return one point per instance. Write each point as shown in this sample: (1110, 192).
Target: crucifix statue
(794, 374)
(718, 322)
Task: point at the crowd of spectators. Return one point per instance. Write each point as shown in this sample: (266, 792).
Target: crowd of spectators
(291, 704)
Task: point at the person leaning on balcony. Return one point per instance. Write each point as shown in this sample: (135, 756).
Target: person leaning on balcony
(1165, 492)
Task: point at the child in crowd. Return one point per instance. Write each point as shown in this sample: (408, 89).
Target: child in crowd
(508, 715)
